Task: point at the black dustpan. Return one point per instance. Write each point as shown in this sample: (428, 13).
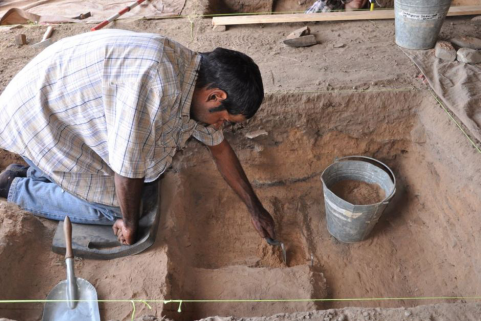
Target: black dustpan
(99, 242)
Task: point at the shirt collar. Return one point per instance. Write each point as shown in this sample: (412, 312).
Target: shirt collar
(188, 87)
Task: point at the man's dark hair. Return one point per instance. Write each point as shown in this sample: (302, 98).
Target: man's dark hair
(237, 75)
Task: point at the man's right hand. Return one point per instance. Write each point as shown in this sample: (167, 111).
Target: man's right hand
(263, 223)
(125, 234)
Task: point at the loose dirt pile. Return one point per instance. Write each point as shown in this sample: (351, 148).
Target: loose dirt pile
(358, 192)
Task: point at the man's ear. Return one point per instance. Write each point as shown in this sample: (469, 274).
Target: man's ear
(217, 95)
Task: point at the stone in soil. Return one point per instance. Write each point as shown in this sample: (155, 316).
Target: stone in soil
(467, 42)
(445, 50)
(358, 193)
(476, 20)
(469, 56)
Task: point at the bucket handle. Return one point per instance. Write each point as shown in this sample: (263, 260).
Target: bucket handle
(393, 178)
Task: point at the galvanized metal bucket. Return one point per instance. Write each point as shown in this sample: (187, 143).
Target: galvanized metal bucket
(418, 22)
(347, 222)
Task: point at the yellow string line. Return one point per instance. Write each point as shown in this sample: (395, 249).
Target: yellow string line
(179, 310)
(133, 311)
(455, 121)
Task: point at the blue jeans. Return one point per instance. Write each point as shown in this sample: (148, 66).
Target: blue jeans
(37, 194)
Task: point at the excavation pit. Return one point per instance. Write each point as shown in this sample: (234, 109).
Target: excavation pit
(207, 248)
(408, 252)
(424, 245)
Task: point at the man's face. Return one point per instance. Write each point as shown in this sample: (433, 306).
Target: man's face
(204, 100)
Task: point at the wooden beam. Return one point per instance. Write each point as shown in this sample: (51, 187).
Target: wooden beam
(464, 11)
(329, 16)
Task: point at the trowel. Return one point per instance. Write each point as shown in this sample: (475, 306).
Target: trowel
(273, 242)
(74, 299)
(46, 40)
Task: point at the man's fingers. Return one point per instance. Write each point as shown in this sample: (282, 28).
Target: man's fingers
(268, 230)
(271, 231)
(259, 228)
(267, 224)
(121, 238)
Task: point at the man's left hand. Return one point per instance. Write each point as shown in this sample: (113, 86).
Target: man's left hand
(264, 223)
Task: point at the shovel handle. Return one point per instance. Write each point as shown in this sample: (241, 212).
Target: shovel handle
(67, 231)
(47, 33)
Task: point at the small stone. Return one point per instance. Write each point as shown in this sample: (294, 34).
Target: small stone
(256, 133)
(469, 56)
(21, 40)
(258, 148)
(476, 20)
(365, 314)
(407, 313)
(304, 31)
(467, 42)
(342, 317)
(304, 41)
(339, 45)
(445, 50)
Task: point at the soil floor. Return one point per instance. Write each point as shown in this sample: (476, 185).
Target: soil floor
(354, 93)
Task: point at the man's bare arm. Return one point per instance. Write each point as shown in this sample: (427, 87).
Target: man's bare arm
(129, 194)
(233, 173)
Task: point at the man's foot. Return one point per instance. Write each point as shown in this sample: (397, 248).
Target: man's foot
(6, 177)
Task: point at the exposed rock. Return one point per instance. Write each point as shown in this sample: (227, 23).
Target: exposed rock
(445, 50)
(304, 31)
(256, 133)
(467, 42)
(304, 41)
(469, 56)
(476, 20)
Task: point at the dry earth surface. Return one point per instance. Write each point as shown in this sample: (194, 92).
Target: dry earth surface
(353, 93)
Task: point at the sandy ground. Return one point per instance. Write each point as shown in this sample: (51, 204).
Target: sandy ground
(315, 109)
(469, 311)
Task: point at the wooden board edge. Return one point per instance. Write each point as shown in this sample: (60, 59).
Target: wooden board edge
(329, 16)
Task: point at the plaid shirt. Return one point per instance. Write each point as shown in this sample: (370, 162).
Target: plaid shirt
(100, 103)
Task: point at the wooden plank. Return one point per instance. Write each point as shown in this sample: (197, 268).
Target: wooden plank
(465, 2)
(464, 11)
(329, 16)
